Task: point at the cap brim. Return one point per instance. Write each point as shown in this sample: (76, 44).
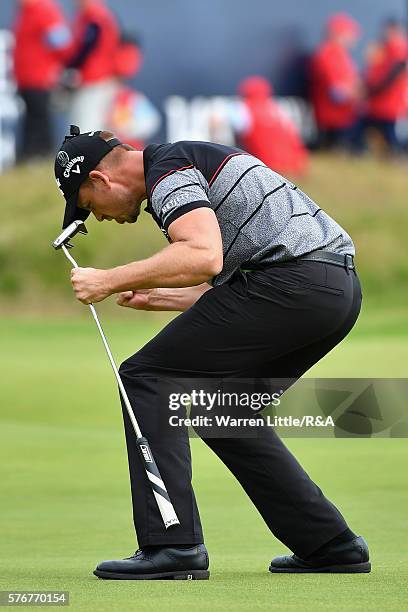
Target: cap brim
(72, 212)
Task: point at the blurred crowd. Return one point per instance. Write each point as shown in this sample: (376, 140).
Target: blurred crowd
(86, 65)
(348, 105)
(353, 110)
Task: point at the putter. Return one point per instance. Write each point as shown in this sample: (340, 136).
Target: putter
(164, 504)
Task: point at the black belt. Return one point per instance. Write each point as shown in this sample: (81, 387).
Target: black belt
(336, 259)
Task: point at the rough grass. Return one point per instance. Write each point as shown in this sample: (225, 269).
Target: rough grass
(368, 197)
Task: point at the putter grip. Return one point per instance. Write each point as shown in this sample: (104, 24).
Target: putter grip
(163, 501)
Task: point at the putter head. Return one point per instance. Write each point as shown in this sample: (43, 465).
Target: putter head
(68, 233)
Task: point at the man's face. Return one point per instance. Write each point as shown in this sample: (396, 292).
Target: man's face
(108, 201)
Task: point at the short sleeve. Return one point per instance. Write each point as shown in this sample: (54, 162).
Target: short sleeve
(178, 192)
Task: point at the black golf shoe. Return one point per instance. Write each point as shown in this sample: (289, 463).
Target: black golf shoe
(154, 563)
(346, 558)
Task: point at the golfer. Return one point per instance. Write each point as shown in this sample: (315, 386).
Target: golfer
(267, 286)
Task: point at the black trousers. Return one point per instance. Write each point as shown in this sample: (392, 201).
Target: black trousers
(36, 132)
(335, 138)
(387, 129)
(273, 323)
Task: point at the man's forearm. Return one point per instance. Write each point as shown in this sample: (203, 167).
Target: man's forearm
(178, 265)
(175, 299)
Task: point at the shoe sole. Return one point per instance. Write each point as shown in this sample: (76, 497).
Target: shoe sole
(352, 568)
(182, 575)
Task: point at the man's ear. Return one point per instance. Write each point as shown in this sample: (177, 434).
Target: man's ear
(99, 179)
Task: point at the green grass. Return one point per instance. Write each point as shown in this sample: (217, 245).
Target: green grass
(366, 196)
(65, 502)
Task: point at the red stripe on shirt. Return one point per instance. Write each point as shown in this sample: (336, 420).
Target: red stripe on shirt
(167, 174)
(224, 161)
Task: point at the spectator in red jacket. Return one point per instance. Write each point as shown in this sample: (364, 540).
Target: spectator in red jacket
(132, 117)
(129, 56)
(386, 81)
(93, 60)
(335, 84)
(265, 131)
(41, 38)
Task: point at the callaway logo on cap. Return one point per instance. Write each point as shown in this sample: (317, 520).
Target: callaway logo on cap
(78, 156)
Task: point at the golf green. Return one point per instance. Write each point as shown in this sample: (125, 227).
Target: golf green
(65, 502)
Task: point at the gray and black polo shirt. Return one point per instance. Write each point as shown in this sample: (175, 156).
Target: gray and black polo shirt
(263, 217)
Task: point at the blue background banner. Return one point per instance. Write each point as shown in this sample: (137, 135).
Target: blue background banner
(195, 48)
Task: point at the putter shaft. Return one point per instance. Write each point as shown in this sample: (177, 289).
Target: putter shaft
(158, 487)
(112, 361)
